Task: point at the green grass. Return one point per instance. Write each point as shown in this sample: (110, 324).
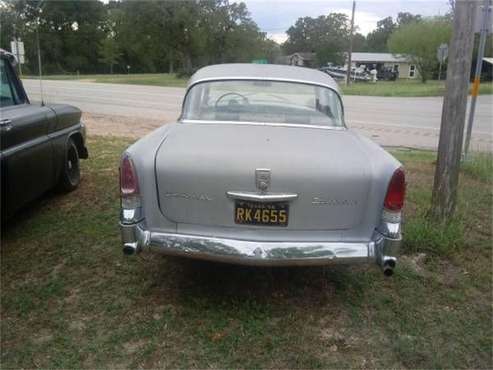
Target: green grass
(401, 87)
(70, 299)
(404, 87)
(152, 79)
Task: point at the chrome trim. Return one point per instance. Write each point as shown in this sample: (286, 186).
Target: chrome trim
(273, 124)
(263, 197)
(260, 253)
(252, 78)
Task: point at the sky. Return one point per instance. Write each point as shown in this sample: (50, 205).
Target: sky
(276, 16)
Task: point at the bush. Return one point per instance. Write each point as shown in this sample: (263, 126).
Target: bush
(480, 166)
(424, 235)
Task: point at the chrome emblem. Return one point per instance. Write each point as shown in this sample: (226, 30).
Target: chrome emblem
(262, 179)
(187, 196)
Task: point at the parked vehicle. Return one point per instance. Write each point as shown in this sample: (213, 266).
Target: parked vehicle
(387, 74)
(40, 144)
(260, 169)
(340, 73)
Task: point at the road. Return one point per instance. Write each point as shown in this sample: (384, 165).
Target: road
(411, 122)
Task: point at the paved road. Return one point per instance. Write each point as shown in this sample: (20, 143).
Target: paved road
(412, 122)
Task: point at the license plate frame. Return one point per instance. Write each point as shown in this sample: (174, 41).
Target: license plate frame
(273, 214)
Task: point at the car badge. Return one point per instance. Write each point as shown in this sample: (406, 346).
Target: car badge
(262, 179)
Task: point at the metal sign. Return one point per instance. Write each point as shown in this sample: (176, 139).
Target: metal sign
(478, 19)
(17, 48)
(442, 53)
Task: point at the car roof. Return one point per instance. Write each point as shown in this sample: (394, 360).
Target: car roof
(253, 71)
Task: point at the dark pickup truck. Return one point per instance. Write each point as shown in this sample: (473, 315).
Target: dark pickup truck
(40, 144)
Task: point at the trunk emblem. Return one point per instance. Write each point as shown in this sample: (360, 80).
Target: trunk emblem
(262, 179)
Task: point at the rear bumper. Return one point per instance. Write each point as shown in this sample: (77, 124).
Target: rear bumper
(381, 250)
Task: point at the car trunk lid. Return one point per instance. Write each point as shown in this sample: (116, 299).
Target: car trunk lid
(198, 164)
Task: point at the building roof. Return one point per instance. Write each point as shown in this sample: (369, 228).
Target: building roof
(273, 72)
(488, 60)
(379, 57)
(304, 55)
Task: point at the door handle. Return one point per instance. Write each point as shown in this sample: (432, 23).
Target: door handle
(6, 124)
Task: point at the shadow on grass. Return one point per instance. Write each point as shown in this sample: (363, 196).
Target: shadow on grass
(209, 283)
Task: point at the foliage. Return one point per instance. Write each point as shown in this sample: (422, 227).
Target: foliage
(377, 39)
(151, 36)
(109, 52)
(327, 36)
(419, 41)
(479, 166)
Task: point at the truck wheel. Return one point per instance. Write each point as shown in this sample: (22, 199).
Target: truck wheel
(70, 176)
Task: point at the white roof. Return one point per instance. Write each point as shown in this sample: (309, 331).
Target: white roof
(273, 72)
(378, 57)
(488, 60)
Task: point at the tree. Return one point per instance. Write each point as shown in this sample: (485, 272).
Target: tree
(327, 36)
(419, 41)
(109, 52)
(404, 18)
(377, 39)
(359, 42)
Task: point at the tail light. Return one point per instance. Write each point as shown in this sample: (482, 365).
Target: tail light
(129, 185)
(396, 191)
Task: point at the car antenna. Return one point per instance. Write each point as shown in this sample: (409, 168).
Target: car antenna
(39, 61)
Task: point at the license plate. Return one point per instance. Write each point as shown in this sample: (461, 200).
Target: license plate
(265, 214)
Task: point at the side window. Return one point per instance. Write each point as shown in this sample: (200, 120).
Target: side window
(8, 91)
(412, 71)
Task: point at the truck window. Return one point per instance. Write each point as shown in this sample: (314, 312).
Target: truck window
(8, 92)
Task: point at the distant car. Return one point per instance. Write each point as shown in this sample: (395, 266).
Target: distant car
(339, 73)
(260, 169)
(40, 145)
(387, 74)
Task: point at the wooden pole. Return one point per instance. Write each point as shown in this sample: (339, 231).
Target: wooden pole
(444, 195)
(348, 72)
(477, 73)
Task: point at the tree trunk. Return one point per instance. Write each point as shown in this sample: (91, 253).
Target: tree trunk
(188, 63)
(444, 197)
(171, 66)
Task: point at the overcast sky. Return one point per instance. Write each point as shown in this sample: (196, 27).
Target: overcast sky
(276, 16)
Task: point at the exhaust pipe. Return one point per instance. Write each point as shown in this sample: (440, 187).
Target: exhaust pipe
(130, 249)
(388, 266)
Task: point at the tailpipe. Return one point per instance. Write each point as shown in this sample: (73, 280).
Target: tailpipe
(130, 249)
(388, 266)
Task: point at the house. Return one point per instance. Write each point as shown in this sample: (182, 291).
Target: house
(381, 61)
(301, 59)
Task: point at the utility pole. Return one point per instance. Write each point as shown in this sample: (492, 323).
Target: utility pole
(444, 195)
(477, 75)
(39, 55)
(348, 73)
(17, 51)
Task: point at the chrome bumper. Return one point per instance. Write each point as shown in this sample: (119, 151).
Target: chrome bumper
(381, 250)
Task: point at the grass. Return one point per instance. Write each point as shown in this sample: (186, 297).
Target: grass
(152, 79)
(70, 299)
(406, 88)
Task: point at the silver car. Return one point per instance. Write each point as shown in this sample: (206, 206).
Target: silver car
(260, 169)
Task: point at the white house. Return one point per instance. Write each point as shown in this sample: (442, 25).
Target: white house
(379, 61)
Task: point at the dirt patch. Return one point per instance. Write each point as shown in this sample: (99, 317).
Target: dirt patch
(132, 347)
(106, 125)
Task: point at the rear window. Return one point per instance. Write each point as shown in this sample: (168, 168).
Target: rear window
(263, 101)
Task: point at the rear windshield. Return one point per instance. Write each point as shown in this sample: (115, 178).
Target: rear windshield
(263, 101)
